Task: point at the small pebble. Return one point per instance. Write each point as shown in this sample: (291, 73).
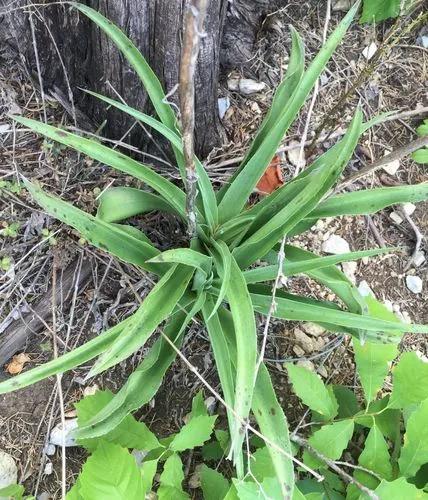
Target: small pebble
(349, 269)
(370, 51)
(408, 208)
(49, 449)
(8, 470)
(313, 329)
(298, 351)
(414, 284)
(245, 86)
(223, 104)
(335, 245)
(396, 217)
(392, 167)
(48, 468)
(419, 259)
(365, 289)
(322, 371)
(343, 5)
(303, 340)
(58, 434)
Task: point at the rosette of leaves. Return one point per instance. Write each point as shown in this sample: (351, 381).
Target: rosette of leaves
(215, 278)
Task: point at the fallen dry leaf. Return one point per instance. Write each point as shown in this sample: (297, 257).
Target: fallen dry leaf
(272, 178)
(17, 363)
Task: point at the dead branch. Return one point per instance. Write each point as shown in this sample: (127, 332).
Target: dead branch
(193, 26)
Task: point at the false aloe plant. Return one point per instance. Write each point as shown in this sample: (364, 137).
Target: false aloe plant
(215, 278)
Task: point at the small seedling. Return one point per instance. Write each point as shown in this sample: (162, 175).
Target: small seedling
(49, 235)
(10, 230)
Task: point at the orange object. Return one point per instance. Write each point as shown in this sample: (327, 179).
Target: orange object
(17, 363)
(272, 179)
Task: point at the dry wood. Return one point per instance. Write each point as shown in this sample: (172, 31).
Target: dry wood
(15, 337)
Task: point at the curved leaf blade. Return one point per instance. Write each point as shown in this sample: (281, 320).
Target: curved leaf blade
(204, 184)
(109, 237)
(171, 193)
(246, 349)
(156, 307)
(120, 203)
(237, 194)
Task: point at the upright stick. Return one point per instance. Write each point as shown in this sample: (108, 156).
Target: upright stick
(193, 25)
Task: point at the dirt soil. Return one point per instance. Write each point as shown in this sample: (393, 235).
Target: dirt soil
(43, 247)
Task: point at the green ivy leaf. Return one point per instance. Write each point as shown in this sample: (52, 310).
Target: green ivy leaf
(171, 479)
(311, 390)
(414, 452)
(129, 433)
(373, 362)
(194, 433)
(399, 489)
(378, 10)
(331, 440)
(410, 378)
(214, 485)
(110, 472)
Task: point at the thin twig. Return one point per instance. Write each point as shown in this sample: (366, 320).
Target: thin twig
(58, 382)
(333, 466)
(193, 26)
(397, 154)
(39, 71)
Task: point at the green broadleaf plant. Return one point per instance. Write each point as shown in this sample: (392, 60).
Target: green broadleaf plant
(211, 279)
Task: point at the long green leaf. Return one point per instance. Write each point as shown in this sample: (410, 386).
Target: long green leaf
(120, 203)
(171, 193)
(156, 307)
(204, 184)
(223, 361)
(297, 311)
(246, 348)
(270, 205)
(267, 411)
(268, 273)
(223, 259)
(363, 202)
(185, 256)
(76, 357)
(306, 200)
(283, 94)
(331, 277)
(137, 61)
(238, 192)
(110, 237)
(266, 291)
(144, 382)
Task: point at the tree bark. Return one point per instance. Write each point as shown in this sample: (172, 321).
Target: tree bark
(92, 62)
